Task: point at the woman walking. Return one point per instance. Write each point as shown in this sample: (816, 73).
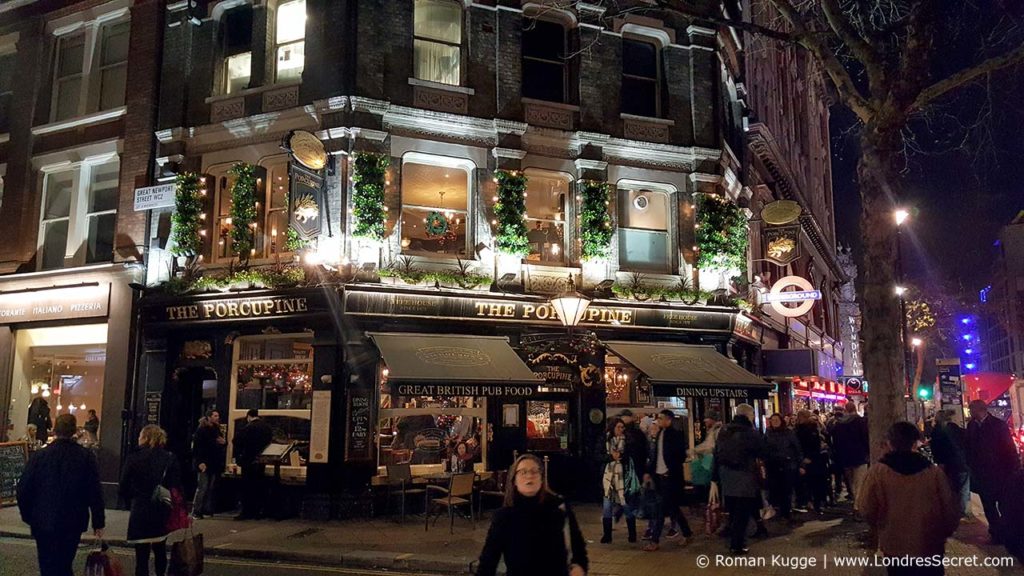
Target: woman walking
(529, 530)
(148, 468)
(619, 483)
(814, 466)
(782, 462)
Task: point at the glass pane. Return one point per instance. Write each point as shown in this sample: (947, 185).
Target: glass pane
(286, 429)
(431, 439)
(100, 244)
(237, 29)
(545, 198)
(55, 244)
(112, 83)
(643, 250)
(68, 93)
(643, 209)
(543, 39)
(640, 97)
(58, 195)
(239, 69)
(547, 426)
(434, 232)
(275, 387)
(544, 80)
(277, 221)
(283, 348)
(639, 59)
(70, 56)
(291, 21)
(436, 62)
(435, 186)
(438, 20)
(278, 175)
(290, 60)
(103, 187)
(115, 44)
(547, 241)
(7, 64)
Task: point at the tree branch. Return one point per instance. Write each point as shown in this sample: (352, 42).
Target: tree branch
(682, 9)
(849, 36)
(938, 89)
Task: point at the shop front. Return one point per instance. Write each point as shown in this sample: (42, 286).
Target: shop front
(65, 346)
(807, 377)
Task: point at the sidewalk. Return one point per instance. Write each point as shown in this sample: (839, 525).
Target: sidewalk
(379, 543)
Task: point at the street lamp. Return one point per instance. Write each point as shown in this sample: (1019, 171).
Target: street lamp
(915, 342)
(900, 291)
(901, 215)
(570, 305)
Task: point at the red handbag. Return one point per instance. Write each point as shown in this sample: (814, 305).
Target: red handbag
(178, 518)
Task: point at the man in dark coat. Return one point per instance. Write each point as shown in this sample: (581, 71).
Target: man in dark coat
(58, 491)
(249, 444)
(39, 415)
(666, 471)
(208, 456)
(947, 443)
(852, 448)
(636, 443)
(736, 470)
(993, 460)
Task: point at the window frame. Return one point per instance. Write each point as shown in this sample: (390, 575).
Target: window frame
(82, 77)
(278, 44)
(628, 188)
(92, 33)
(567, 229)
(267, 245)
(457, 46)
(442, 162)
(227, 72)
(102, 68)
(563, 62)
(658, 74)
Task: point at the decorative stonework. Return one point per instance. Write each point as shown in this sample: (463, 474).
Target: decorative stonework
(549, 116)
(645, 131)
(227, 109)
(287, 97)
(440, 100)
(547, 279)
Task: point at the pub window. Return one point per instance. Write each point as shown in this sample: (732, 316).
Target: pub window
(271, 210)
(547, 426)
(237, 46)
(437, 41)
(435, 202)
(431, 431)
(291, 40)
(644, 231)
(274, 374)
(79, 210)
(545, 70)
(545, 216)
(641, 93)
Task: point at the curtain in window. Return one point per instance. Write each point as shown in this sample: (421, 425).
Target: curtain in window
(438, 38)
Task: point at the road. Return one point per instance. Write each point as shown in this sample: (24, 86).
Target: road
(18, 558)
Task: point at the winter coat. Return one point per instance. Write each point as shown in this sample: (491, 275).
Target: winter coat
(206, 449)
(947, 443)
(39, 414)
(707, 446)
(251, 441)
(531, 537)
(850, 444)
(636, 448)
(737, 450)
(991, 455)
(910, 504)
(673, 452)
(782, 450)
(59, 488)
(812, 444)
(142, 472)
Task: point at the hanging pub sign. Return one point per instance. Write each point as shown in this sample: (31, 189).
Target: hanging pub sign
(781, 244)
(306, 191)
(307, 149)
(780, 212)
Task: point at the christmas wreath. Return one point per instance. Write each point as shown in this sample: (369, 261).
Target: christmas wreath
(436, 223)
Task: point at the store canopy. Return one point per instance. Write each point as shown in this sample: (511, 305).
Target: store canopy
(453, 365)
(682, 370)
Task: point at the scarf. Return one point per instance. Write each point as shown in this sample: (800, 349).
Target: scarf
(613, 481)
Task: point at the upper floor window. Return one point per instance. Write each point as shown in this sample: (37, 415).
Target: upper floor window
(437, 41)
(272, 186)
(69, 76)
(7, 63)
(291, 40)
(435, 205)
(237, 39)
(545, 73)
(79, 215)
(113, 65)
(545, 216)
(644, 231)
(641, 78)
(90, 70)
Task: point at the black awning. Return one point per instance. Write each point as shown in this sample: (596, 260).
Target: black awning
(690, 371)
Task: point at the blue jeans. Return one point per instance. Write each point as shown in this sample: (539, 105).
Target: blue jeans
(609, 506)
(965, 494)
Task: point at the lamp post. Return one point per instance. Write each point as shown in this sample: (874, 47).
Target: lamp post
(570, 306)
(901, 215)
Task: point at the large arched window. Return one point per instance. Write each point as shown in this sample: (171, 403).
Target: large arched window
(435, 205)
(437, 41)
(644, 229)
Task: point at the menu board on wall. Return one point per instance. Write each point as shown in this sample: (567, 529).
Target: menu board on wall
(153, 400)
(320, 437)
(358, 444)
(13, 457)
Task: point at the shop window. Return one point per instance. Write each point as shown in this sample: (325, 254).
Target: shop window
(547, 425)
(7, 64)
(271, 210)
(274, 374)
(53, 379)
(437, 41)
(435, 202)
(545, 70)
(644, 231)
(545, 216)
(291, 40)
(237, 49)
(79, 211)
(113, 65)
(641, 85)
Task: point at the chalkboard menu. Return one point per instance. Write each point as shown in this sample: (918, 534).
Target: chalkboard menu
(13, 457)
(357, 441)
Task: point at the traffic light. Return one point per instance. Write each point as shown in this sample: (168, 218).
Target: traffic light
(924, 392)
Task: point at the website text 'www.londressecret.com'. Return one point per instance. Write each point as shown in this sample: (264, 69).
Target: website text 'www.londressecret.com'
(829, 561)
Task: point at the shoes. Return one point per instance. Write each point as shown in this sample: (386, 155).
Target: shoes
(800, 509)
(672, 534)
(198, 516)
(650, 547)
(647, 534)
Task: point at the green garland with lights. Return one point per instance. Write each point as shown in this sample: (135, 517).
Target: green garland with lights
(188, 213)
(368, 195)
(595, 222)
(722, 234)
(510, 213)
(292, 242)
(243, 211)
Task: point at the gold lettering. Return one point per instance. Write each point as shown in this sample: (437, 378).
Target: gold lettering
(289, 305)
(233, 309)
(245, 309)
(221, 310)
(301, 305)
(592, 313)
(208, 309)
(494, 309)
(509, 311)
(528, 310)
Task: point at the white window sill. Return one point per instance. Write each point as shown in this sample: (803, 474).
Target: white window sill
(249, 91)
(80, 121)
(440, 86)
(560, 105)
(648, 119)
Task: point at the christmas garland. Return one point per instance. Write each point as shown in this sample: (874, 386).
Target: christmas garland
(436, 223)
(722, 235)
(595, 222)
(368, 195)
(510, 212)
(243, 211)
(292, 242)
(188, 214)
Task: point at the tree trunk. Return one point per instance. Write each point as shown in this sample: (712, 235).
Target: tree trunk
(879, 183)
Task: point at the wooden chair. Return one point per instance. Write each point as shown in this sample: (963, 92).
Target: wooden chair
(400, 483)
(458, 493)
(493, 488)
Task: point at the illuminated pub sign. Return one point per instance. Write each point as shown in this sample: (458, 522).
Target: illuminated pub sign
(825, 390)
(518, 311)
(265, 306)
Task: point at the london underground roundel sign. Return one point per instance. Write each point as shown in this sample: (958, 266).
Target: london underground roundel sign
(804, 296)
